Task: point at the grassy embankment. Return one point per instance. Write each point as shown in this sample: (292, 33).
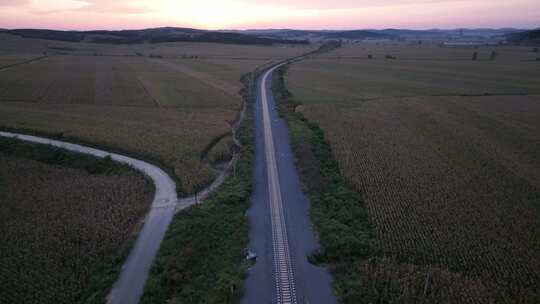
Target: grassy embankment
(337, 211)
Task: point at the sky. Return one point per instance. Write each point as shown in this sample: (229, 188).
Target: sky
(246, 14)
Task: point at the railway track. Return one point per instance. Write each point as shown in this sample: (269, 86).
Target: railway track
(285, 287)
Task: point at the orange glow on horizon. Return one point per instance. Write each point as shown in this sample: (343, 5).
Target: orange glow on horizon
(243, 14)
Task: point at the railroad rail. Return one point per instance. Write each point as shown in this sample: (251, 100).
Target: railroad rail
(283, 267)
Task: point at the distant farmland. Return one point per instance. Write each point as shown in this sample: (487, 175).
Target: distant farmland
(445, 152)
(163, 102)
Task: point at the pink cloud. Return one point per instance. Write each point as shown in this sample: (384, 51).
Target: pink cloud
(312, 14)
(14, 2)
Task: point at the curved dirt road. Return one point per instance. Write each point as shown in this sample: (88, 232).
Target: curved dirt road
(130, 285)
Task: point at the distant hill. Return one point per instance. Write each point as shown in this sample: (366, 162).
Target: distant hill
(414, 34)
(156, 35)
(431, 34)
(315, 35)
(357, 35)
(527, 37)
(271, 36)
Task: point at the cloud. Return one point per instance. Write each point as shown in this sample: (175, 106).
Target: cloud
(123, 7)
(118, 6)
(14, 2)
(341, 4)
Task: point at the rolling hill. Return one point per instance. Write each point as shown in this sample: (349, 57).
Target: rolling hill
(155, 35)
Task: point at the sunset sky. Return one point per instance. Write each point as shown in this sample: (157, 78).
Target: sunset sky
(243, 14)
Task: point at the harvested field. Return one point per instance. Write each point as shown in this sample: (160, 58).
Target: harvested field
(10, 59)
(123, 81)
(167, 106)
(15, 44)
(83, 220)
(430, 51)
(228, 51)
(451, 183)
(174, 137)
(346, 80)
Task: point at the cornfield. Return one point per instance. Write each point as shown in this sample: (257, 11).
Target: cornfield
(452, 186)
(58, 224)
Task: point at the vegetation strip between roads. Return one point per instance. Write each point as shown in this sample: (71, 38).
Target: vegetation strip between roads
(130, 285)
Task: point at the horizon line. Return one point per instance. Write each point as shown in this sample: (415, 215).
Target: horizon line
(276, 28)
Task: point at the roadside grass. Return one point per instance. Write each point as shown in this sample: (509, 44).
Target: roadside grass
(338, 213)
(202, 258)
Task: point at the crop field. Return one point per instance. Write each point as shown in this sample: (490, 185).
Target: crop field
(10, 59)
(446, 156)
(153, 101)
(18, 45)
(61, 227)
(430, 51)
(334, 79)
